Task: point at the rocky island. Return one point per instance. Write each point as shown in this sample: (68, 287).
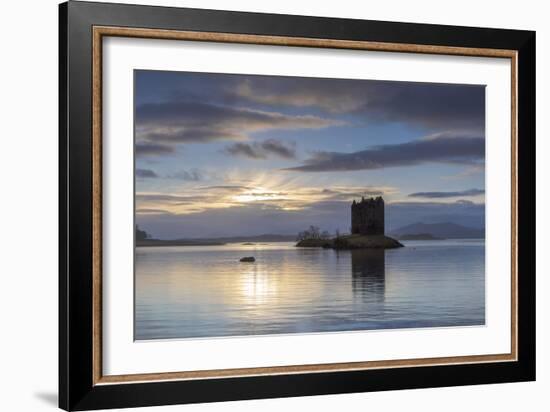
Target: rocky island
(367, 230)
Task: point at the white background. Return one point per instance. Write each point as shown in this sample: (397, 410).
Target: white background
(28, 166)
(124, 356)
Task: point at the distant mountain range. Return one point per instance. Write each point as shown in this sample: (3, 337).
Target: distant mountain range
(419, 236)
(415, 231)
(445, 230)
(217, 240)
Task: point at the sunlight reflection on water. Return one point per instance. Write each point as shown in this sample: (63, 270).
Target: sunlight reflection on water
(204, 291)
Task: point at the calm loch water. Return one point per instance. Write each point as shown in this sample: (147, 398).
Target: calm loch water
(204, 291)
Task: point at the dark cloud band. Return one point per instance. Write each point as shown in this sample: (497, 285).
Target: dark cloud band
(262, 150)
(431, 105)
(462, 150)
(194, 122)
(442, 195)
(152, 149)
(145, 173)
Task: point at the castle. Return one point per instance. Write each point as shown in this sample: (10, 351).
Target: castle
(367, 216)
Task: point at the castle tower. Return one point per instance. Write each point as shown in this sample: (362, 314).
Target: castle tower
(367, 216)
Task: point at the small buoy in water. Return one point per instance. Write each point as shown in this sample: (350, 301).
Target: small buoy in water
(247, 259)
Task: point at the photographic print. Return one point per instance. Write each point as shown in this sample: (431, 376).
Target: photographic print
(282, 205)
(263, 205)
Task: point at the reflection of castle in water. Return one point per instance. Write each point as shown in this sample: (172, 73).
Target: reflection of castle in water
(368, 271)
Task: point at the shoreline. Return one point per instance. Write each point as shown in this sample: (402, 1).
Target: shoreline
(354, 241)
(199, 242)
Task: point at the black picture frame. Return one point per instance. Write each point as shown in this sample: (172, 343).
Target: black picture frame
(77, 390)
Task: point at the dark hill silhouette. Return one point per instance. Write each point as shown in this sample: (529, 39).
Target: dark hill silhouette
(445, 230)
(215, 240)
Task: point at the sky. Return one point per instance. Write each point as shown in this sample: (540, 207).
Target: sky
(231, 155)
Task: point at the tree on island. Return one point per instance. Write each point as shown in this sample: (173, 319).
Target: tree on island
(313, 233)
(141, 234)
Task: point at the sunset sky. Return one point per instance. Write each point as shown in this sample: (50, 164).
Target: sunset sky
(227, 155)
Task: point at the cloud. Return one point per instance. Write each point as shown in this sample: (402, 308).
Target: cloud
(194, 122)
(441, 195)
(202, 107)
(471, 170)
(193, 175)
(332, 95)
(168, 199)
(199, 199)
(144, 211)
(152, 149)
(228, 188)
(457, 149)
(145, 173)
(279, 148)
(262, 150)
(350, 193)
(246, 150)
(431, 105)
